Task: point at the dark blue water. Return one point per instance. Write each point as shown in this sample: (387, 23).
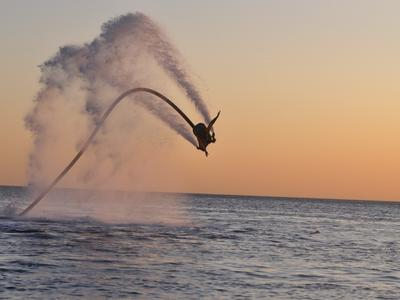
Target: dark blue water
(227, 248)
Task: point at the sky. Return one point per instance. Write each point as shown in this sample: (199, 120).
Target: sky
(308, 90)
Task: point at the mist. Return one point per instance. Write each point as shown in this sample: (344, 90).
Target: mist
(78, 84)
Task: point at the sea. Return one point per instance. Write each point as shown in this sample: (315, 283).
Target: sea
(197, 246)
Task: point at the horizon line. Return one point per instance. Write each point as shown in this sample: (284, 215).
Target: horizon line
(279, 197)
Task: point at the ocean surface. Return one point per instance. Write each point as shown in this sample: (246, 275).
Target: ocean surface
(197, 247)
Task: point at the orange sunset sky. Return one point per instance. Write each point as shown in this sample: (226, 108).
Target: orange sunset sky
(309, 91)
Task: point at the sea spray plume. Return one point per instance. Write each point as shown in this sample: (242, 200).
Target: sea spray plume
(79, 82)
(167, 56)
(117, 37)
(164, 55)
(107, 68)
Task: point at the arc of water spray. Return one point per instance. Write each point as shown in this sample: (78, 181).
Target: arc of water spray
(91, 137)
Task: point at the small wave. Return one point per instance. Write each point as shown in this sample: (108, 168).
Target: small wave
(30, 264)
(215, 236)
(22, 230)
(5, 270)
(244, 230)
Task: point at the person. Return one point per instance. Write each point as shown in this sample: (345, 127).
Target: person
(205, 134)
